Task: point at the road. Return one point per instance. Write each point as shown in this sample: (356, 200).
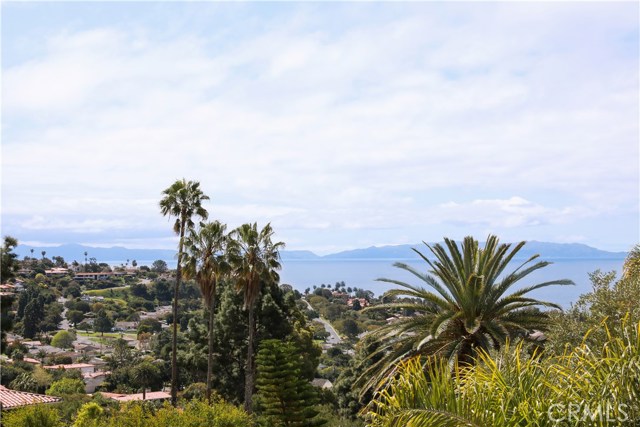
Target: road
(333, 337)
(64, 325)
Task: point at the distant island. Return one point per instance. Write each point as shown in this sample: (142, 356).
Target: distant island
(546, 250)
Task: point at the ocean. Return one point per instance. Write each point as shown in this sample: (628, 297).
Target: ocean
(363, 274)
(302, 274)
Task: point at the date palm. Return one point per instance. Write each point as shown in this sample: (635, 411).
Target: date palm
(206, 261)
(467, 307)
(256, 261)
(182, 200)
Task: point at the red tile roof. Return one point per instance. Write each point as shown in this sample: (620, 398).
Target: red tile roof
(14, 399)
(151, 395)
(70, 366)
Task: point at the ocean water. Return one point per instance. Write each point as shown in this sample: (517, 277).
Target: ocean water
(302, 274)
(363, 274)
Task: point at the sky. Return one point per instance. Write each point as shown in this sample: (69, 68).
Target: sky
(344, 125)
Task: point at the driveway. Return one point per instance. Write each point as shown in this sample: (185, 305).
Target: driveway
(333, 337)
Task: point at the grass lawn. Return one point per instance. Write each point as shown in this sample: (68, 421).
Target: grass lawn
(118, 292)
(108, 336)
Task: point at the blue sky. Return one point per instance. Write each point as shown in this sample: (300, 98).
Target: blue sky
(343, 124)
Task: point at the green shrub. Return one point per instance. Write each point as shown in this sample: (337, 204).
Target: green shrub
(588, 386)
(32, 416)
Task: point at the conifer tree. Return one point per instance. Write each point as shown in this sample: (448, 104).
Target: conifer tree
(285, 396)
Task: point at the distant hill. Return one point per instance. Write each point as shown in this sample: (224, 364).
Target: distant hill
(546, 250)
(71, 252)
(298, 256)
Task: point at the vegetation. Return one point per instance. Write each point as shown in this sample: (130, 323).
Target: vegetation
(32, 416)
(256, 262)
(467, 309)
(63, 339)
(182, 200)
(66, 386)
(451, 351)
(588, 386)
(285, 397)
(207, 262)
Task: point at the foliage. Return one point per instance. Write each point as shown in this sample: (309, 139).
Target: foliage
(285, 397)
(89, 415)
(74, 316)
(588, 386)
(467, 309)
(63, 339)
(607, 302)
(182, 200)
(66, 386)
(195, 413)
(8, 258)
(206, 262)
(6, 319)
(159, 266)
(149, 324)
(24, 382)
(102, 322)
(256, 259)
(145, 374)
(32, 416)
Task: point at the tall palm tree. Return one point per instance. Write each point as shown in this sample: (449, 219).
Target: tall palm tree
(43, 254)
(256, 260)
(206, 261)
(182, 200)
(466, 309)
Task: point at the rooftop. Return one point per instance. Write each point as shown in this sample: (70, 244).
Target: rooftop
(14, 399)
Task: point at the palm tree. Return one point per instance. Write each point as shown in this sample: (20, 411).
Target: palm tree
(467, 308)
(207, 263)
(144, 374)
(256, 261)
(43, 254)
(183, 199)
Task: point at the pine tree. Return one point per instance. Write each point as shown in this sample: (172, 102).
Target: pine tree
(285, 396)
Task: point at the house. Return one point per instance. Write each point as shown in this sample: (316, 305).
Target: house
(126, 326)
(86, 348)
(26, 360)
(56, 272)
(152, 395)
(322, 383)
(363, 302)
(10, 399)
(85, 368)
(93, 380)
(101, 275)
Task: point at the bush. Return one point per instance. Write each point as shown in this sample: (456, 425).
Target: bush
(63, 339)
(517, 389)
(32, 416)
(66, 386)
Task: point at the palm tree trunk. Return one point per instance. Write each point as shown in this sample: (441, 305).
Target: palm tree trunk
(174, 342)
(144, 393)
(212, 310)
(249, 371)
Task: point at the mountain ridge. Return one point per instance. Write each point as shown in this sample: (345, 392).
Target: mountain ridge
(546, 250)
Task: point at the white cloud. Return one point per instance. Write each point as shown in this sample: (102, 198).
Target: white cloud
(515, 212)
(337, 127)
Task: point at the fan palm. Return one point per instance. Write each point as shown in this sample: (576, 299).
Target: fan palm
(207, 263)
(182, 200)
(256, 261)
(467, 308)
